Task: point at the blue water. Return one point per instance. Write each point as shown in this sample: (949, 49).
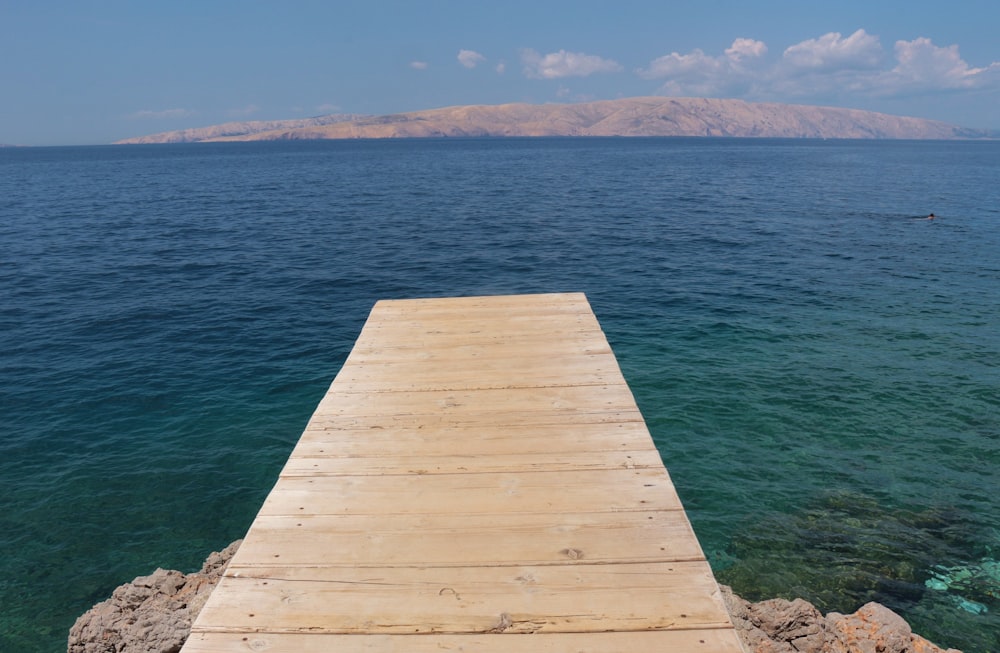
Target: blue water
(819, 367)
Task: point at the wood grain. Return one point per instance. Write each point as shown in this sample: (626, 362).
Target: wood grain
(478, 470)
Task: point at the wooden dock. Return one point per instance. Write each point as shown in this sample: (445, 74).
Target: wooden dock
(477, 478)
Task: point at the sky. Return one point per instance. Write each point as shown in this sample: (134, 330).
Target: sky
(90, 72)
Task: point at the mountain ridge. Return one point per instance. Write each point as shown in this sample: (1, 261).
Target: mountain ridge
(237, 128)
(643, 116)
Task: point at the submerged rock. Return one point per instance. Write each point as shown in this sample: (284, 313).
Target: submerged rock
(973, 585)
(152, 614)
(843, 550)
(846, 549)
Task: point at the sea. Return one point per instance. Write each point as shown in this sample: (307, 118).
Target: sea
(818, 363)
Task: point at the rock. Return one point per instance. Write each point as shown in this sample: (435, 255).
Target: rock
(152, 614)
(777, 625)
(780, 626)
(753, 637)
(796, 622)
(874, 628)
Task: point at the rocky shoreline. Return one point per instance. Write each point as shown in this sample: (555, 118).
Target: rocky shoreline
(153, 614)
(782, 626)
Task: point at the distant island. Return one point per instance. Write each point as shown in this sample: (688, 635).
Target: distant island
(644, 116)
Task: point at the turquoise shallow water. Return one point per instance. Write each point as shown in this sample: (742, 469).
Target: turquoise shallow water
(819, 368)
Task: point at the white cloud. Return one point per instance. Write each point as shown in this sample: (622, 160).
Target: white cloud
(697, 63)
(501, 68)
(859, 51)
(418, 65)
(921, 65)
(328, 108)
(565, 64)
(697, 73)
(162, 115)
(744, 49)
(819, 70)
(470, 58)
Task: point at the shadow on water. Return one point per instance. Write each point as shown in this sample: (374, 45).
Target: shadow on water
(845, 549)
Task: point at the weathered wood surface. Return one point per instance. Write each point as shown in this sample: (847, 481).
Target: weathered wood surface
(478, 470)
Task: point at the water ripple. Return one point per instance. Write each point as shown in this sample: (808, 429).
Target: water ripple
(798, 341)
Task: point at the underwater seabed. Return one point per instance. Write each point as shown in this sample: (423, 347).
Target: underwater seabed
(846, 549)
(971, 587)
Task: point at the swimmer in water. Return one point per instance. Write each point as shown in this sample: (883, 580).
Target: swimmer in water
(931, 216)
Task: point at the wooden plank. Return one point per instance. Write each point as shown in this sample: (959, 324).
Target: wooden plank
(417, 492)
(491, 403)
(480, 325)
(437, 419)
(484, 345)
(487, 540)
(491, 441)
(525, 599)
(505, 305)
(665, 641)
(480, 328)
(476, 372)
(559, 422)
(542, 301)
(477, 470)
(470, 462)
(490, 373)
